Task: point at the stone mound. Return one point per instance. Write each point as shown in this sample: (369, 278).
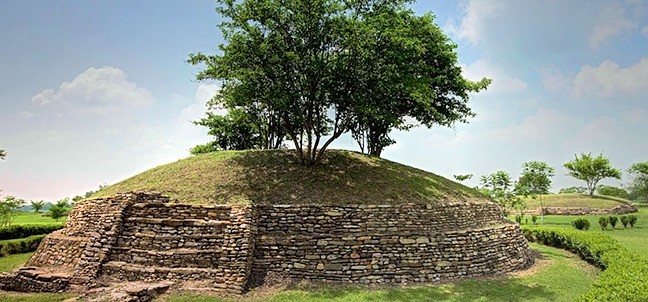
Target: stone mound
(144, 237)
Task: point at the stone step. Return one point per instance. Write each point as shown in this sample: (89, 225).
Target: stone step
(177, 222)
(155, 240)
(173, 258)
(122, 271)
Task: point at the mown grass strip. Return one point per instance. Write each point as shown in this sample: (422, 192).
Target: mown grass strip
(625, 272)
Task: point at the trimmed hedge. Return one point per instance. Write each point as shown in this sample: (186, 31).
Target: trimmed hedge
(625, 272)
(26, 230)
(22, 245)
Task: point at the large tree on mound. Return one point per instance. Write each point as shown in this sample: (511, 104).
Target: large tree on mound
(591, 169)
(328, 67)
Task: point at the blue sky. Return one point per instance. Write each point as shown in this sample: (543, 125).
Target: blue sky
(92, 92)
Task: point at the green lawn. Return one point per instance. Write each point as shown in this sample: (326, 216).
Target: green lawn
(573, 200)
(633, 238)
(10, 262)
(35, 218)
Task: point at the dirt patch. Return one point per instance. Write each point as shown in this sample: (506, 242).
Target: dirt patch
(541, 262)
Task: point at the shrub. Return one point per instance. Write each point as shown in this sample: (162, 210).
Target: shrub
(625, 272)
(624, 221)
(518, 219)
(581, 224)
(613, 221)
(603, 222)
(534, 218)
(23, 245)
(632, 219)
(26, 230)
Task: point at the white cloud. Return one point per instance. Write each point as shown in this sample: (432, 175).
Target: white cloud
(25, 114)
(501, 81)
(610, 80)
(543, 126)
(611, 22)
(477, 13)
(97, 90)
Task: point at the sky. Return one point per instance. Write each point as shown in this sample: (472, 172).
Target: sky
(93, 92)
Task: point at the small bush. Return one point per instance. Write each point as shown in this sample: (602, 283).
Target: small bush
(632, 219)
(603, 222)
(534, 218)
(18, 246)
(625, 221)
(613, 221)
(581, 224)
(26, 230)
(518, 219)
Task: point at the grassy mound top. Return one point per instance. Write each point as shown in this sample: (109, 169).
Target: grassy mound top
(576, 200)
(276, 177)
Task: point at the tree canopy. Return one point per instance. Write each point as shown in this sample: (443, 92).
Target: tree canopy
(591, 169)
(535, 179)
(328, 67)
(500, 188)
(639, 183)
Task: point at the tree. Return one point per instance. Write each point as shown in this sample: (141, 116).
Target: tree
(612, 191)
(57, 212)
(591, 169)
(535, 181)
(500, 188)
(3, 154)
(8, 209)
(639, 183)
(462, 177)
(573, 190)
(37, 205)
(241, 129)
(313, 66)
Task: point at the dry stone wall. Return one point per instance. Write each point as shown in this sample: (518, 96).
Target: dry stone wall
(145, 237)
(376, 244)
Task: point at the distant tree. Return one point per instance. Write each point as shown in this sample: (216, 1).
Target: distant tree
(500, 188)
(591, 169)
(639, 184)
(535, 181)
(3, 154)
(9, 207)
(37, 205)
(57, 212)
(612, 191)
(329, 67)
(573, 190)
(462, 177)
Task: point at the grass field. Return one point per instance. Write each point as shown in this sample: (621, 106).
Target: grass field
(574, 200)
(35, 218)
(634, 238)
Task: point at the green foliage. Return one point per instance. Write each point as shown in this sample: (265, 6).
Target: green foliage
(625, 272)
(325, 68)
(518, 218)
(535, 178)
(57, 212)
(573, 190)
(26, 230)
(632, 219)
(499, 187)
(613, 221)
(463, 177)
(37, 205)
(22, 245)
(612, 191)
(625, 221)
(8, 209)
(581, 224)
(534, 218)
(603, 223)
(241, 129)
(3, 154)
(591, 169)
(639, 184)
